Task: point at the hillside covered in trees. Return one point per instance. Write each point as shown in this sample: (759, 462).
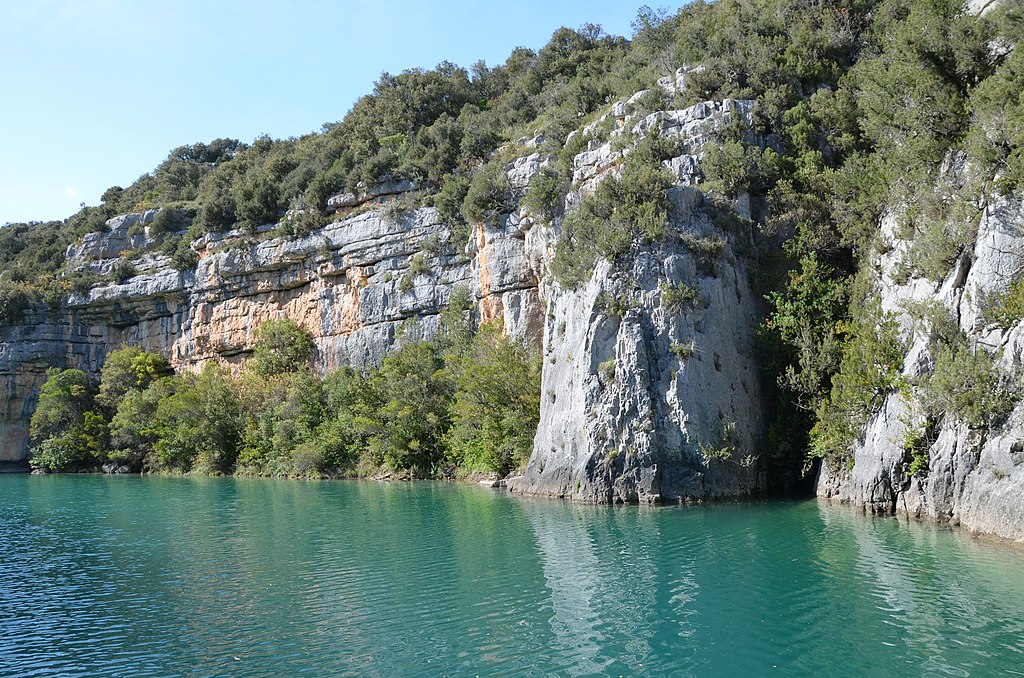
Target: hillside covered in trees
(862, 110)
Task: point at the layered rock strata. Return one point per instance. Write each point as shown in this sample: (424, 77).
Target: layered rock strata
(353, 284)
(658, 401)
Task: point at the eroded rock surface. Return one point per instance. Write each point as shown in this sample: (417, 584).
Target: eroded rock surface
(650, 389)
(975, 477)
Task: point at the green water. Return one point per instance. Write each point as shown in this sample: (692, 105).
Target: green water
(161, 576)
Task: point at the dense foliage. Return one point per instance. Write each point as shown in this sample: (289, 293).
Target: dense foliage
(467, 402)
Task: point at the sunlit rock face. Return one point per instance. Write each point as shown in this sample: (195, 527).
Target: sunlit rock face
(656, 401)
(647, 397)
(355, 285)
(974, 477)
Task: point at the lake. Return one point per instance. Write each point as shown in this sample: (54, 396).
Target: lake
(181, 576)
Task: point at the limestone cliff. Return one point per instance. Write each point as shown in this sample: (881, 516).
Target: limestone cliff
(656, 399)
(660, 401)
(975, 476)
(352, 284)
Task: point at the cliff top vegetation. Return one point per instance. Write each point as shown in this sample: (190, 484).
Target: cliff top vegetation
(858, 103)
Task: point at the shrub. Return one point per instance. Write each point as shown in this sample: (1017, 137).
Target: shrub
(168, 221)
(546, 193)
(489, 192)
(449, 199)
(418, 265)
(734, 167)
(967, 384)
(63, 400)
(723, 448)
(870, 369)
(916, 442)
(123, 270)
(682, 351)
(15, 299)
(936, 245)
(606, 223)
(184, 257)
(809, 318)
(406, 414)
(281, 346)
(613, 305)
(1006, 309)
(675, 297)
(65, 432)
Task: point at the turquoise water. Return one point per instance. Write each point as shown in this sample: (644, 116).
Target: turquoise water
(164, 576)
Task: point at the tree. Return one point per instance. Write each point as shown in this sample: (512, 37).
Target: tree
(134, 428)
(129, 368)
(497, 403)
(66, 433)
(405, 414)
(281, 346)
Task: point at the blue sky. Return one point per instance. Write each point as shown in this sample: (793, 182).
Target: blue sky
(96, 92)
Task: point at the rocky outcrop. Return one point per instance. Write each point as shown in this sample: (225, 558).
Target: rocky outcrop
(975, 477)
(353, 284)
(650, 389)
(382, 193)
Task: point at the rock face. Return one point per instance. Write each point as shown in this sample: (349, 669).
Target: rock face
(975, 477)
(650, 389)
(658, 400)
(353, 284)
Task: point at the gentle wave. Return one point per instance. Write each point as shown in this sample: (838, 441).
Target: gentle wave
(158, 576)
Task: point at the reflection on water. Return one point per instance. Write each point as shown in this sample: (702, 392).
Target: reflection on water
(157, 576)
(946, 600)
(600, 569)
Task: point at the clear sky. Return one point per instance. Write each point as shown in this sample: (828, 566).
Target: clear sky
(94, 93)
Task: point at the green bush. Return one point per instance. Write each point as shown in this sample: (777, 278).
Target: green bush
(614, 305)
(675, 297)
(1007, 309)
(405, 419)
(622, 210)
(967, 384)
(682, 350)
(916, 442)
(546, 193)
(496, 404)
(184, 257)
(489, 193)
(450, 197)
(809, 317)
(65, 432)
(129, 368)
(15, 299)
(123, 270)
(281, 346)
(870, 369)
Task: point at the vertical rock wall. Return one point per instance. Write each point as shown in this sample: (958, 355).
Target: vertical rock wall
(975, 477)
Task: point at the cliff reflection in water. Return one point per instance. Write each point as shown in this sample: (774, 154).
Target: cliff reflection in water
(151, 576)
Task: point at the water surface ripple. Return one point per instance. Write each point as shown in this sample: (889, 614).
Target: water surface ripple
(208, 577)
